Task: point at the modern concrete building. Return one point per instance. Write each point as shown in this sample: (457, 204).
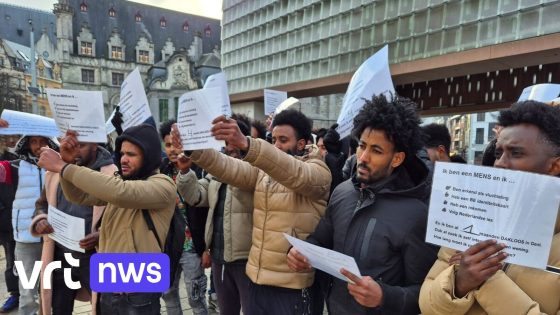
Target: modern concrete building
(451, 56)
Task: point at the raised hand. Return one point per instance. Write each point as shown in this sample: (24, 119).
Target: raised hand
(176, 137)
(51, 160)
(228, 130)
(478, 263)
(70, 147)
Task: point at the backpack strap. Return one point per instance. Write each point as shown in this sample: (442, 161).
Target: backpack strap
(151, 226)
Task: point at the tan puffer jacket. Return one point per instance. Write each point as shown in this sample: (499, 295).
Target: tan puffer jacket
(290, 197)
(517, 291)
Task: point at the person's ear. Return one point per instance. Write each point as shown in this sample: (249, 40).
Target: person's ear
(398, 159)
(301, 144)
(554, 168)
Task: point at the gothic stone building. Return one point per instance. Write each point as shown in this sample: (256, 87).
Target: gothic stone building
(98, 42)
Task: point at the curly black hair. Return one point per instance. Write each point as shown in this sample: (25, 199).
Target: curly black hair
(436, 135)
(261, 128)
(397, 117)
(541, 115)
(297, 120)
(244, 123)
(320, 133)
(165, 128)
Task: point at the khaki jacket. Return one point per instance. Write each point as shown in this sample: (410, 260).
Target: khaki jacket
(517, 291)
(238, 212)
(123, 228)
(290, 196)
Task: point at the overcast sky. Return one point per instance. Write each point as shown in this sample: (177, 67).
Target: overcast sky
(209, 8)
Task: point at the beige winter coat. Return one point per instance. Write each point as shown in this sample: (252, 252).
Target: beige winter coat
(290, 197)
(517, 291)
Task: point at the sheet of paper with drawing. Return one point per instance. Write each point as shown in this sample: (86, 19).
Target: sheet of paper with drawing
(133, 103)
(472, 203)
(28, 124)
(81, 111)
(324, 259)
(196, 111)
(219, 80)
(372, 77)
(68, 229)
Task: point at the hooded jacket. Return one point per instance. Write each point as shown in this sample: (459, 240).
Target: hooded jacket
(28, 180)
(517, 290)
(383, 227)
(123, 228)
(290, 196)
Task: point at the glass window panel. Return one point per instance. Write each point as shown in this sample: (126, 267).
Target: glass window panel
(529, 23)
(452, 14)
(420, 20)
(436, 18)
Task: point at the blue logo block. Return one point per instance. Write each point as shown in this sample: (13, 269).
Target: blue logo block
(129, 272)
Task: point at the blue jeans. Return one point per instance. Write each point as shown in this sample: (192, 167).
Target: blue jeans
(28, 254)
(195, 282)
(129, 303)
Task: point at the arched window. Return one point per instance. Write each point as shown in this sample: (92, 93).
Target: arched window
(138, 17)
(162, 22)
(208, 30)
(186, 26)
(112, 12)
(83, 6)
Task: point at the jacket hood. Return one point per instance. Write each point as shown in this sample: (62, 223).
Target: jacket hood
(22, 148)
(408, 180)
(103, 158)
(146, 137)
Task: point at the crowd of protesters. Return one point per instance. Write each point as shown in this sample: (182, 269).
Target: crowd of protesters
(366, 196)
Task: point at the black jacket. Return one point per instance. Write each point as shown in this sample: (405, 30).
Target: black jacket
(383, 227)
(196, 217)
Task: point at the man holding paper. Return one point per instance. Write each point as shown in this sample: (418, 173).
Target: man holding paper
(291, 186)
(138, 186)
(478, 281)
(61, 298)
(378, 216)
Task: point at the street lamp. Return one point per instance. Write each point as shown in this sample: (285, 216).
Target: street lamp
(33, 89)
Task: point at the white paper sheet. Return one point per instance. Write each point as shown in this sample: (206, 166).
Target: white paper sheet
(196, 112)
(219, 80)
(81, 111)
(28, 124)
(272, 99)
(133, 102)
(540, 92)
(472, 203)
(324, 259)
(372, 77)
(68, 230)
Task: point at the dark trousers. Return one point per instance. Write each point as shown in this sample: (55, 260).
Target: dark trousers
(129, 303)
(7, 241)
(269, 300)
(232, 286)
(62, 296)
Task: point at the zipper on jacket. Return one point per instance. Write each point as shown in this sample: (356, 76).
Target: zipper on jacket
(263, 227)
(17, 224)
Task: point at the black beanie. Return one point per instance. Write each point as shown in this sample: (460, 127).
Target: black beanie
(146, 137)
